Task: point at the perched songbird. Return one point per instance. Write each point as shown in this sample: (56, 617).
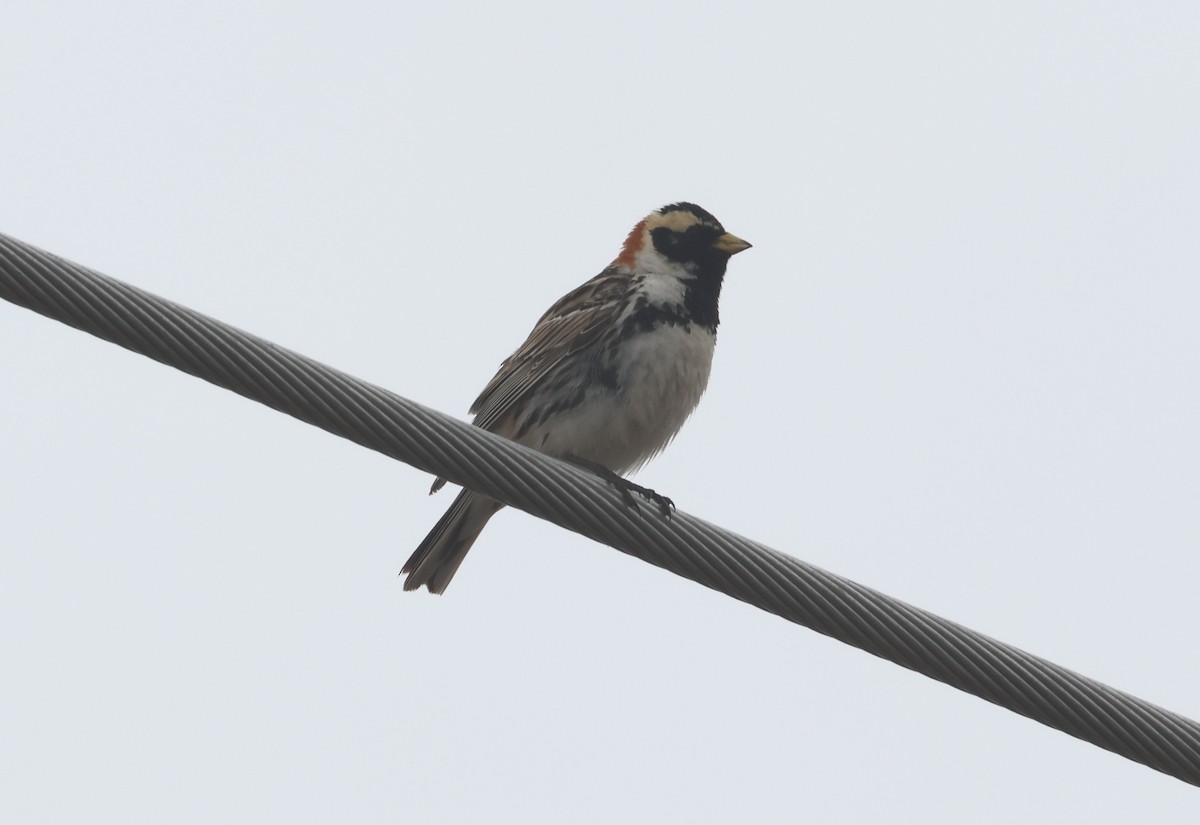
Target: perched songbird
(607, 376)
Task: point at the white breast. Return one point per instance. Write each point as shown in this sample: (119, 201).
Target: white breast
(667, 373)
(660, 377)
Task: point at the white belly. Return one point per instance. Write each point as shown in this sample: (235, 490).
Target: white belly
(661, 377)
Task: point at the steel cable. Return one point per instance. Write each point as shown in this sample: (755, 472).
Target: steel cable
(577, 500)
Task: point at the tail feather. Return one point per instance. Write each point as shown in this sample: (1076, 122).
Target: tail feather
(437, 558)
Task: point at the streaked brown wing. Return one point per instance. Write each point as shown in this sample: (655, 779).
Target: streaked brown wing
(572, 324)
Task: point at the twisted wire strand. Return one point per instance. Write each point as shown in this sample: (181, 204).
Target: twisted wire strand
(578, 501)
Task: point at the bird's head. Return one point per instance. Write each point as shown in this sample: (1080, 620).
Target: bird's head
(680, 236)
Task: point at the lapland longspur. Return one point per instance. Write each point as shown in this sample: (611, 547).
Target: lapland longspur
(607, 376)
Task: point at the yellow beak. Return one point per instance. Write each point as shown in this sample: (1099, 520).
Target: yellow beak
(730, 244)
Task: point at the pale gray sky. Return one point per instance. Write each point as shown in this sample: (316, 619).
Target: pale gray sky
(960, 366)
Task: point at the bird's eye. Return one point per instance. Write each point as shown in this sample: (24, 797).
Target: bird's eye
(675, 246)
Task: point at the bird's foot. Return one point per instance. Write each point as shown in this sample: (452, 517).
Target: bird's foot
(626, 487)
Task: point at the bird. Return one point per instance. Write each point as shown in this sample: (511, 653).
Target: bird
(607, 376)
